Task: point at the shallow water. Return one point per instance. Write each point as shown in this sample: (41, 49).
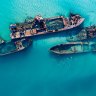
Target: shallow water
(36, 71)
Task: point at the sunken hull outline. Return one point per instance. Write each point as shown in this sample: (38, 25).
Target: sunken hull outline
(84, 34)
(11, 43)
(85, 48)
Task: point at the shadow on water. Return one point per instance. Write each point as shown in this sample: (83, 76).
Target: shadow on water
(68, 59)
(67, 56)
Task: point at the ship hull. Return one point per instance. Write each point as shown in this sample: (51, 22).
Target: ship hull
(10, 47)
(53, 25)
(73, 48)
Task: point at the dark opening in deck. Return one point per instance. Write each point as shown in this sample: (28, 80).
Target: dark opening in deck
(54, 24)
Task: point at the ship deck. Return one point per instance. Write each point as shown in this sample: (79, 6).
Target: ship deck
(50, 25)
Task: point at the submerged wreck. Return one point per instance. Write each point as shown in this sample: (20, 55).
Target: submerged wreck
(40, 26)
(73, 48)
(86, 33)
(14, 46)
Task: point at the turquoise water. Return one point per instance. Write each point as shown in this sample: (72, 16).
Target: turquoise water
(37, 72)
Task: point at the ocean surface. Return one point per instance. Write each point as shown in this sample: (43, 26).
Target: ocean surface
(37, 72)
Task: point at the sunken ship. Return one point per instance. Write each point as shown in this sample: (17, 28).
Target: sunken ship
(84, 34)
(40, 26)
(74, 48)
(14, 46)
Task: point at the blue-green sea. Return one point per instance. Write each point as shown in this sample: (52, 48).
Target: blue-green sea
(37, 72)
